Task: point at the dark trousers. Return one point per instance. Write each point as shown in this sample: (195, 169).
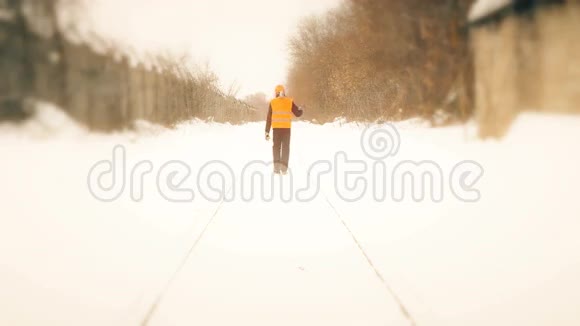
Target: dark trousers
(281, 149)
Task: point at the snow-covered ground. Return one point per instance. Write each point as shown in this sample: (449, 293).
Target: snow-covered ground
(66, 258)
(482, 8)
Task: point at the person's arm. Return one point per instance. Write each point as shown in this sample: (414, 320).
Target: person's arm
(269, 120)
(296, 110)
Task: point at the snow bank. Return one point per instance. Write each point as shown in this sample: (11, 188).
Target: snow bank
(47, 121)
(483, 8)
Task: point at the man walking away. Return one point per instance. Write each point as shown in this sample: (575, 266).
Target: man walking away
(280, 119)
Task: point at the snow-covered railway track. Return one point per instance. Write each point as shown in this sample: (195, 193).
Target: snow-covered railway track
(159, 297)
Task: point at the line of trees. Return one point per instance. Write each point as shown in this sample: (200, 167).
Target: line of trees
(384, 60)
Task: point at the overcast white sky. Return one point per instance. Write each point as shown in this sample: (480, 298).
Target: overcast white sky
(243, 41)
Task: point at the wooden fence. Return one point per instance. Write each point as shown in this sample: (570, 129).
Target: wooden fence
(95, 83)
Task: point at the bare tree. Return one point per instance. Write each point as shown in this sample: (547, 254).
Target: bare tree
(380, 59)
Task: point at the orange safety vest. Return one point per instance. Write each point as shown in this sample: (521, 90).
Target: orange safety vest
(282, 112)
